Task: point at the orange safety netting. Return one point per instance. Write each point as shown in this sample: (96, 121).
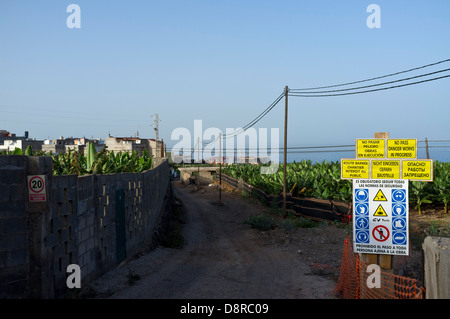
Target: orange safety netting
(352, 282)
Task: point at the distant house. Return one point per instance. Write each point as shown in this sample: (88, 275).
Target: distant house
(130, 144)
(11, 145)
(4, 133)
(62, 145)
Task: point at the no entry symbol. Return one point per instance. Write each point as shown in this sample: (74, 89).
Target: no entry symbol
(380, 233)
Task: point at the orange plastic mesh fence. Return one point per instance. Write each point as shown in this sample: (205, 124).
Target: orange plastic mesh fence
(352, 282)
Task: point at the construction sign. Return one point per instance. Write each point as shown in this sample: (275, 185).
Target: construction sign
(385, 158)
(380, 216)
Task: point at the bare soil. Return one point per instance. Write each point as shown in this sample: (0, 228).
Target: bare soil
(223, 257)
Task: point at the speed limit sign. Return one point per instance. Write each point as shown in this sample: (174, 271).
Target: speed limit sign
(36, 188)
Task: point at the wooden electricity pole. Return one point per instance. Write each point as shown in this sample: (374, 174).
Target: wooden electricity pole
(286, 90)
(384, 261)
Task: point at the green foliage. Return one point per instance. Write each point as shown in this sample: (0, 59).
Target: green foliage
(261, 222)
(103, 162)
(442, 183)
(304, 179)
(322, 180)
(419, 193)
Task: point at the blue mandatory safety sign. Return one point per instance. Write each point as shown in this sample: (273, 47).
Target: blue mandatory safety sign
(398, 209)
(399, 238)
(398, 224)
(362, 223)
(399, 195)
(362, 236)
(362, 209)
(361, 194)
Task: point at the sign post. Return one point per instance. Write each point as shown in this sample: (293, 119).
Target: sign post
(381, 171)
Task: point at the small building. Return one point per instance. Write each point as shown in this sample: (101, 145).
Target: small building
(130, 144)
(11, 145)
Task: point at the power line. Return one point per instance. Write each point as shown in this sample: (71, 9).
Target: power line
(258, 118)
(378, 84)
(251, 123)
(375, 78)
(374, 90)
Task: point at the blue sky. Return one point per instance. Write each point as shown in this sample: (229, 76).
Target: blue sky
(222, 62)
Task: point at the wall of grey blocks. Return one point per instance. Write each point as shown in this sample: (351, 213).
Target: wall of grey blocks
(77, 224)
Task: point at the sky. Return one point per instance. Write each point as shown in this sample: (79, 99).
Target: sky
(222, 62)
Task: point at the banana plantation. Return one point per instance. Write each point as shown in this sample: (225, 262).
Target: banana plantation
(103, 162)
(322, 180)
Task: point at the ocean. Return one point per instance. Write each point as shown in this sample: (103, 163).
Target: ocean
(441, 154)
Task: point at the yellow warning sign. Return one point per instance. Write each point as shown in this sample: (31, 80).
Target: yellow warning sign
(379, 197)
(385, 169)
(418, 170)
(380, 211)
(402, 148)
(351, 168)
(370, 148)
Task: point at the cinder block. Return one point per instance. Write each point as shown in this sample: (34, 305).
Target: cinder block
(13, 175)
(5, 192)
(18, 192)
(16, 258)
(13, 241)
(14, 225)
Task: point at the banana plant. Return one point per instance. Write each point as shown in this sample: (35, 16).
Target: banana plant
(29, 151)
(442, 183)
(90, 155)
(420, 194)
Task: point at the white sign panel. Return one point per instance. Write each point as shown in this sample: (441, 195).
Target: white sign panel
(36, 188)
(380, 216)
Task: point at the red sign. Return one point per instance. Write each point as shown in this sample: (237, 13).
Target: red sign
(380, 233)
(36, 188)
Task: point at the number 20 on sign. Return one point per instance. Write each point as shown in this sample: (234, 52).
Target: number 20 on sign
(36, 188)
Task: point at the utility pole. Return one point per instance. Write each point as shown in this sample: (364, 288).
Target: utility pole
(198, 168)
(286, 90)
(156, 116)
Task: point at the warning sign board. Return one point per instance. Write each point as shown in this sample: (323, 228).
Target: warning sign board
(380, 216)
(36, 188)
(385, 169)
(402, 148)
(380, 197)
(418, 170)
(352, 168)
(380, 212)
(370, 148)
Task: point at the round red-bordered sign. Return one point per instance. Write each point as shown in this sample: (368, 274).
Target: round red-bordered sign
(37, 182)
(381, 231)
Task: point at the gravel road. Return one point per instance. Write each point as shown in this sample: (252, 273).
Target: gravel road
(223, 258)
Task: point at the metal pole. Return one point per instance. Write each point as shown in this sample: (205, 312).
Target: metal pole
(286, 90)
(198, 168)
(220, 168)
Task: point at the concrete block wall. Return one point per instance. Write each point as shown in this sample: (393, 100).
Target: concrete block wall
(61, 231)
(437, 267)
(77, 224)
(14, 259)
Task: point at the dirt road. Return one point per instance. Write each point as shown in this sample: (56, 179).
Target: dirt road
(222, 258)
